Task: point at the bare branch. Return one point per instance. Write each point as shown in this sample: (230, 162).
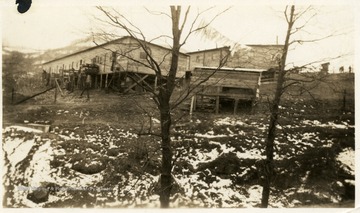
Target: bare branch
(203, 25)
(299, 15)
(185, 18)
(314, 40)
(297, 29)
(157, 13)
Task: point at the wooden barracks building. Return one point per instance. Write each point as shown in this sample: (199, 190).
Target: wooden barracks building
(115, 68)
(122, 63)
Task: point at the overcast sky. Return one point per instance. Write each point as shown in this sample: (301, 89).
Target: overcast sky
(53, 24)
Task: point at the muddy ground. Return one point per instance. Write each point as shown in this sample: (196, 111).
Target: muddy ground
(98, 154)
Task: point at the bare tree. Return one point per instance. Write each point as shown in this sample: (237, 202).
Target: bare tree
(162, 95)
(285, 80)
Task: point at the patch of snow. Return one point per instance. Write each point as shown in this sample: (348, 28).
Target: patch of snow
(39, 168)
(22, 128)
(209, 134)
(255, 194)
(250, 154)
(228, 121)
(351, 182)
(347, 158)
(221, 183)
(332, 125)
(203, 157)
(224, 148)
(17, 149)
(229, 130)
(155, 120)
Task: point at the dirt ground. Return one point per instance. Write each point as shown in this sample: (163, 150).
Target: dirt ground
(102, 143)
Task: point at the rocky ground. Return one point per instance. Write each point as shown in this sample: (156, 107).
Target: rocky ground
(96, 155)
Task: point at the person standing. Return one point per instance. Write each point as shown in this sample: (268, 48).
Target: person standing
(87, 86)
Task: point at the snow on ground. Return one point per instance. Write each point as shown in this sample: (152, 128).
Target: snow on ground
(17, 149)
(196, 190)
(254, 195)
(343, 125)
(203, 157)
(21, 128)
(250, 154)
(209, 134)
(228, 121)
(39, 169)
(347, 158)
(223, 147)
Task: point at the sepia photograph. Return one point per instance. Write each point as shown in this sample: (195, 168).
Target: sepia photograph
(240, 105)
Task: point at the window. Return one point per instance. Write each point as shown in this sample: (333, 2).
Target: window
(142, 55)
(198, 58)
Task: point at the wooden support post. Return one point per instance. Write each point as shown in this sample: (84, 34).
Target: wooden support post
(195, 102)
(96, 81)
(101, 80)
(257, 94)
(192, 106)
(55, 95)
(106, 81)
(217, 107)
(155, 84)
(58, 86)
(236, 104)
(202, 98)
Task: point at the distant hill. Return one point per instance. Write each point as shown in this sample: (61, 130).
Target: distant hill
(76, 46)
(41, 56)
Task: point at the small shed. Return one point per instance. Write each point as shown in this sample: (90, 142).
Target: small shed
(230, 83)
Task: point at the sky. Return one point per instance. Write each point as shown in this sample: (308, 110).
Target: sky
(54, 24)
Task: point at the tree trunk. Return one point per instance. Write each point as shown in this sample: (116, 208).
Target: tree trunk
(165, 116)
(274, 114)
(165, 179)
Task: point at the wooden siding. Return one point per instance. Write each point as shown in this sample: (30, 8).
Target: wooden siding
(255, 56)
(208, 58)
(126, 48)
(224, 83)
(226, 78)
(228, 83)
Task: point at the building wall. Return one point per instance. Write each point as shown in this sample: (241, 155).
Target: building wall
(208, 58)
(126, 48)
(255, 56)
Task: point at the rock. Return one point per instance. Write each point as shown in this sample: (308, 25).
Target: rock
(39, 195)
(113, 152)
(89, 167)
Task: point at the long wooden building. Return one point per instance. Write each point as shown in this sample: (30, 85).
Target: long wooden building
(122, 64)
